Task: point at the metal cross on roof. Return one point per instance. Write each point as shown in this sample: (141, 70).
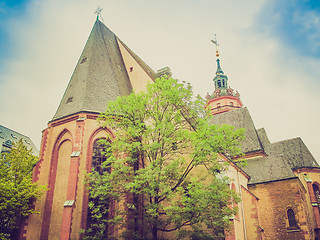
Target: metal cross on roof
(98, 12)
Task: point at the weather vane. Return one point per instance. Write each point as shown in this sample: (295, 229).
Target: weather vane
(215, 40)
(98, 12)
(217, 44)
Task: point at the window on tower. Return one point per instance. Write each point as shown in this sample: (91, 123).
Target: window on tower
(219, 83)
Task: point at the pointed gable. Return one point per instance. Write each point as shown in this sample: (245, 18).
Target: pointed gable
(99, 77)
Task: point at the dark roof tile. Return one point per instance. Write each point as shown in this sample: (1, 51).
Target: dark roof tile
(99, 77)
(240, 118)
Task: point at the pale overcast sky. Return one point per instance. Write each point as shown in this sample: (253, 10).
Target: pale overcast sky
(270, 51)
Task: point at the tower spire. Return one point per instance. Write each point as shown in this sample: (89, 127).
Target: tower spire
(223, 98)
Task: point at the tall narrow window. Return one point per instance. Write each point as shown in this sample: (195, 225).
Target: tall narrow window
(317, 195)
(97, 222)
(99, 155)
(292, 219)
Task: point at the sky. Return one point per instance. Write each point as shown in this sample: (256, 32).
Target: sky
(270, 51)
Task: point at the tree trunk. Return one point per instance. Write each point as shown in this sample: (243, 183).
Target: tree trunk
(155, 230)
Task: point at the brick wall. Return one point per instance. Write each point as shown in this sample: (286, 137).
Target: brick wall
(275, 200)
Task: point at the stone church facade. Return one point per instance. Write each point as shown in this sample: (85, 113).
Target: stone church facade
(279, 186)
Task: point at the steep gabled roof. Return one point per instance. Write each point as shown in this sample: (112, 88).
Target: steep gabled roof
(268, 169)
(240, 118)
(294, 152)
(283, 158)
(100, 75)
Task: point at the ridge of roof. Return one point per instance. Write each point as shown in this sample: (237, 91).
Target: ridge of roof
(287, 140)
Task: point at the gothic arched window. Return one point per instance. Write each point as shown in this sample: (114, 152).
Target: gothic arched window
(292, 219)
(98, 223)
(316, 194)
(99, 155)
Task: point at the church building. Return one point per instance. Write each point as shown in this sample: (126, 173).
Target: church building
(279, 186)
(107, 68)
(283, 176)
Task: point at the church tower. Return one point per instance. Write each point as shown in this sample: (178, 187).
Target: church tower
(107, 68)
(223, 98)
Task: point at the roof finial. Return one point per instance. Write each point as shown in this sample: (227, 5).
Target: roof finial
(217, 45)
(98, 12)
(219, 70)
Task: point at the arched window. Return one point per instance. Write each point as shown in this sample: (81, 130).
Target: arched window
(292, 220)
(99, 155)
(219, 83)
(316, 194)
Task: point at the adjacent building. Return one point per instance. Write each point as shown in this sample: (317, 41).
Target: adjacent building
(8, 137)
(283, 176)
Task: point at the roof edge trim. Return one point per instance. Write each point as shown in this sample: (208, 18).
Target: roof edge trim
(271, 181)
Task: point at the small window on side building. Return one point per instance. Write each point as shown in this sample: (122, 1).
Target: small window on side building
(292, 219)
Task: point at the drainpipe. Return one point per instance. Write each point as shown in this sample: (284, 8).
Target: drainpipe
(244, 221)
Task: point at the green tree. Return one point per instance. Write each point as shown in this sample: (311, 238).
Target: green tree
(164, 163)
(17, 191)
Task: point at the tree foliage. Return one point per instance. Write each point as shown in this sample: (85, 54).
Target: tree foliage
(17, 191)
(165, 170)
